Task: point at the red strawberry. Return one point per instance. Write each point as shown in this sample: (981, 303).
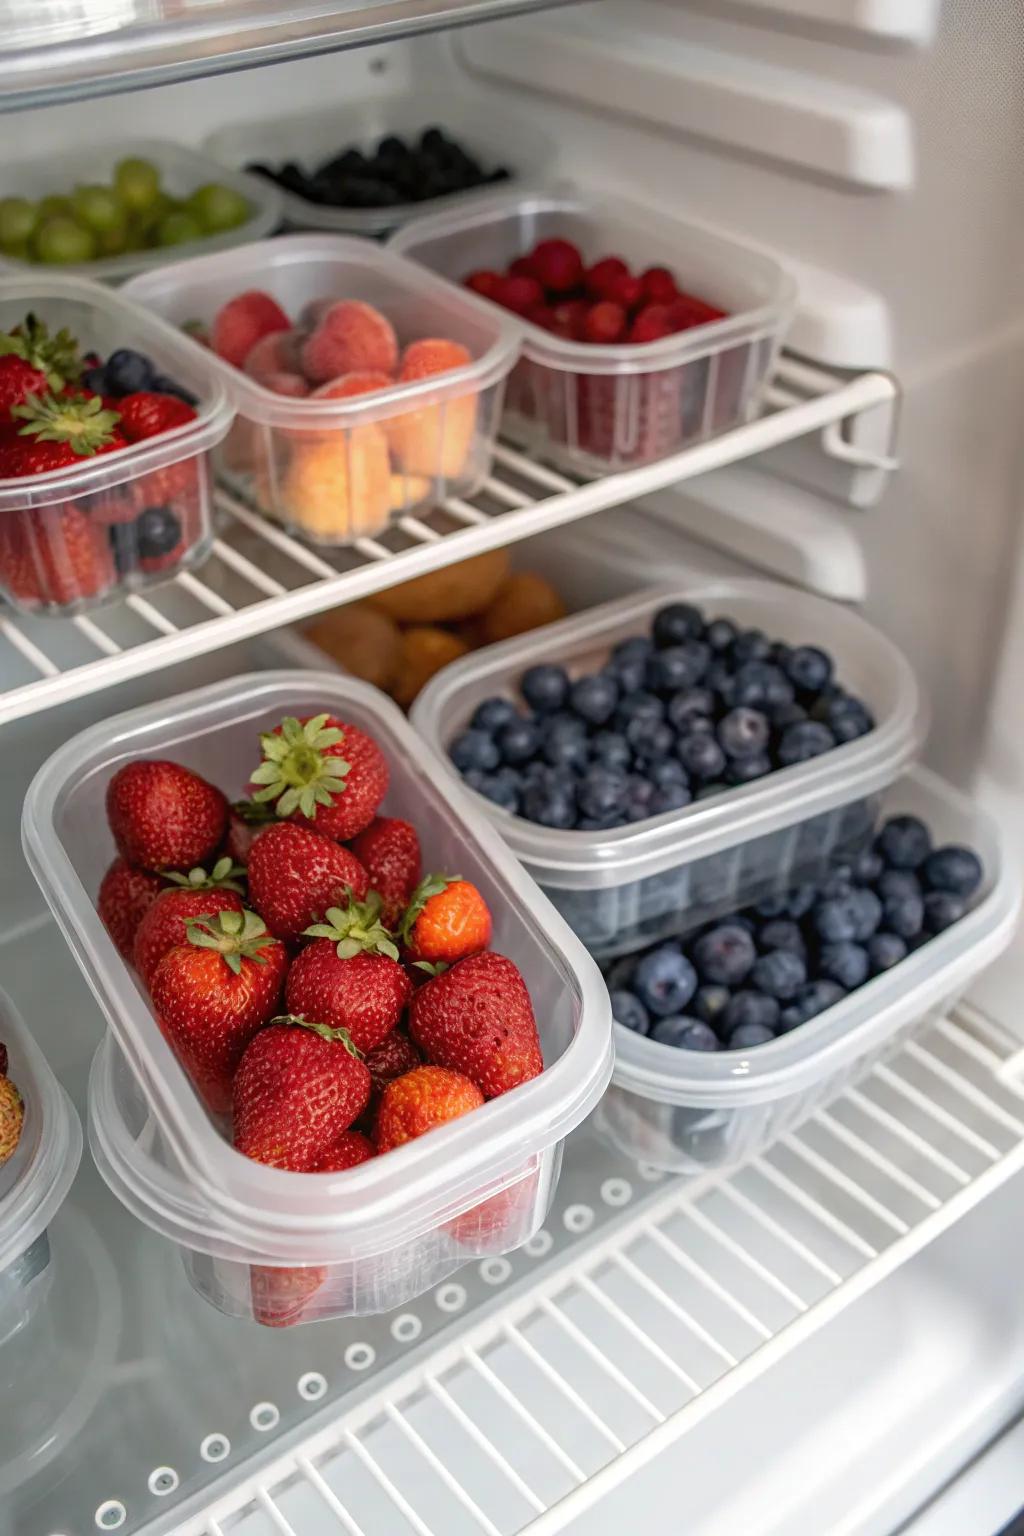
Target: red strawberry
(598, 278)
(604, 323)
(164, 816)
(164, 924)
(18, 380)
(392, 1058)
(389, 851)
(542, 315)
(502, 1221)
(653, 323)
(350, 1149)
(246, 822)
(34, 363)
(55, 555)
(485, 283)
(685, 312)
(295, 875)
(625, 290)
(280, 1296)
(446, 920)
(125, 895)
(322, 773)
(521, 266)
(147, 413)
(299, 1085)
(349, 977)
(659, 285)
(519, 293)
(54, 431)
(420, 1102)
(478, 1019)
(244, 321)
(557, 265)
(569, 316)
(214, 992)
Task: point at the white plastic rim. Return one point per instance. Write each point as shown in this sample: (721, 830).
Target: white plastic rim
(866, 662)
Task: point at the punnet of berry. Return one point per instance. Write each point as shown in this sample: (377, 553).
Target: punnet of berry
(693, 709)
(62, 409)
(12, 1111)
(745, 980)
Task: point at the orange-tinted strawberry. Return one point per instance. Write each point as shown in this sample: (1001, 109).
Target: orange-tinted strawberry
(125, 895)
(395, 1056)
(477, 1019)
(163, 925)
(296, 875)
(164, 816)
(446, 920)
(299, 1085)
(213, 993)
(420, 1102)
(323, 774)
(389, 851)
(349, 977)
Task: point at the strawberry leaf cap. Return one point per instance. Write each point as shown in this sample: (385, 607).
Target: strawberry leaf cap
(430, 885)
(297, 773)
(224, 876)
(325, 1031)
(356, 930)
(237, 936)
(55, 356)
(80, 422)
(253, 814)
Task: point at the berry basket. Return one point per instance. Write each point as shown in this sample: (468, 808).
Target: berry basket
(338, 469)
(75, 537)
(690, 1111)
(376, 1235)
(623, 887)
(36, 1178)
(599, 408)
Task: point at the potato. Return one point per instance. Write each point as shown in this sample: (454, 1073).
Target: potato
(366, 643)
(425, 650)
(525, 601)
(440, 597)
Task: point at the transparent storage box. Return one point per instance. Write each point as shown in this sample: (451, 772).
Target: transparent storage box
(68, 538)
(599, 408)
(691, 1111)
(621, 888)
(37, 1176)
(335, 470)
(491, 134)
(182, 169)
(377, 1235)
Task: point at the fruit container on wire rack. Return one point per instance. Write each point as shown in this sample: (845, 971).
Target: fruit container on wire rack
(642, 334)
(365, 386)
(270, 1242)
(714, 829)
(109, 419)
(40, 1149)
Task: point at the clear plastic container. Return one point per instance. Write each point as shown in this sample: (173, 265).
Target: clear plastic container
(338, 470)
(182, 169)
(68, 538)
(374, 1236)
(619, 889)
(490, 134)
(36, 1178)
(602, 408)
(689, 1112)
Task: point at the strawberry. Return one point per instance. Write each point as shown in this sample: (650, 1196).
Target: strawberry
(519, 292)
(389, 851)
(625, 290)
(58, 430)
(350, 978)
(659, 285)
(147, 413)
(395, 1056)
(296, 875)
(604, 323)
(685, 312)
(502, 1221)
(484, 282)
(246, 822)
(214, 992)
(603, 274)
(12, 1113)
(557, 265)
(244, 321)
(446, 919)
(568, 318)
(421, 1101)
(195, 895)
(653, 323)
(299, 1085)
(125, 895)
(477, 1019)
(55, 555)
(280, 1296)
(542, 315)
(34, 363)
(350, 1149)
(521, 266)
(323, 772)
(164, 816)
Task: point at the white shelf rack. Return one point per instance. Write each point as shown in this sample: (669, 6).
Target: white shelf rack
(684, 1298)
(259, 578)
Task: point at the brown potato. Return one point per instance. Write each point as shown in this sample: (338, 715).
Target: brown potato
(425, 650)
(526, 601)
(366, 643)
(440, 597)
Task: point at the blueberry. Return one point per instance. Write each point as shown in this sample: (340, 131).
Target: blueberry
(545, 688)
(743, 732)
(904, 842)
(772, 906)
(848, 718)
(781, 933)
(667, 772)
(611, 749)
(602, 792)
(491, 714)
(594, 698)
(128, 371)
(700, 755)
(709, 1003)
(867, 866)
(845, 963)
(724, 954)
(721, 679)
(750, 645)
(869, 914)
(639, 705)
(677, 622)
(804, 740)
(636, 648)
(163, 385)
(817, 996)
(650, 739)
(942, 909)
(678, 666)
(746, 1036)
(518, 741)
(685, 1033)
(782, 715)
(673, 797)
(903, 914)
(618, 975)
(780, 973)
(743, 770)
(629, 1011)
(601, 823)
(720, 634)
(628, 674)
(838, 882)
(550, 805)
(800, 900)
(664, 981)
(837, 918)
(123, 544)
(688, 705)
(565, 744)
(809, 668)
(96, 380)
(953, 869)
(898, 882)
(475, 778)
(157, 532)
(760, 684)
(884, 951)
(502, 790)
(474, 749)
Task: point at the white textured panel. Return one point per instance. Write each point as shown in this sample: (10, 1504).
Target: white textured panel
(911, 21)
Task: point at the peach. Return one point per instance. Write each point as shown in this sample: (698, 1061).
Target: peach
(349, 337)
(435, 439)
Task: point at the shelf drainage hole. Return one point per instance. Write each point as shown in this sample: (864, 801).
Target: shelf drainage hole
(215, 1448)
(539, 1244)
(359, 1357)
(578, 1218)
(495, 1271)
(451, 1298)
(312, 1386)
(162, 1481)
(111, 1515)
(616, 1191)
(649, 1172)
(406, 1327)
(265, 1416)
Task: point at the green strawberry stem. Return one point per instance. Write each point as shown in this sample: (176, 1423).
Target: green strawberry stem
(430, 885)
(356, 930)
(253, 814)
(237, 936)
(55, 356)
(81, 423)
(325, 1031)
(297, 773)
(224, 876)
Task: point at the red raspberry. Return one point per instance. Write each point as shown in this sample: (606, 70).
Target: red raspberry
(568, 318)
(685, 312)
(608, 270)
(652, 323)
(542, 315)
(521, 267)
(659, 285)
(484, 282)
(625, 290)
(557, 264)
(519, 294)
(605, 322)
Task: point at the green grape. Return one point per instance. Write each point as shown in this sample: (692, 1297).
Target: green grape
(60, 240)
(177, 228)
(99, 209)
(137, 183)
(112, 242)
(18, 219)
(56, 205)
(217, 207)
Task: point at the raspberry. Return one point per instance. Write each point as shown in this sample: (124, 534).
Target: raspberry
(519, 293)
(685, 312)
(521, 267)
(597, 278)
(542, 315)
(244, 321)
(568, 318)
(625, 290)
(350, 337)
(652, 323)
(557, 265)
(485, 282)
(659, 285)
(604, 322)
(633, 420)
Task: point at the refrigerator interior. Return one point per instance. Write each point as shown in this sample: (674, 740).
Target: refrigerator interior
(830, 1333)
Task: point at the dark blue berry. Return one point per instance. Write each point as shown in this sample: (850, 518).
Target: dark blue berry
(904, 842)
(709, 1002)
(629, 1011)
(903, 914)
(618, 974)
(783, 934)
(845, 963)
(800, 900)
(594, 698)
(750, 645)
(898, 882)
(601, 823)
(700, 755)
(743, 770)
(550, 805)
(128, 371)
(629, 674)
(869, 914)
(163, 385)
(685, 1033)
(157, 532)
(809, 668)
(635, 648)
(491, 714)
(688, 705)
(95, 379)
(837, 918)
(640, 705)
(848, 718)
(565, 744)
(518, 741)
(602, 792)
(650, 739)
(781, 973)
(720, 634)
(884, 951)
(668, 771)
(953, 869)
(867, 866)
(545, 688)
(817, 996)
(611, 749)
(721, 679)
(782, 715)
(942, 909)
(124, 546)
(502, 790)
(673, 797)
(745, 1036)
(772, 906)
(743, 732)
(664, 981)
(804, 740)
(724, 954)
(639, 793)
(677, 622)
(474, 749)
(678, 666)
(761, 685)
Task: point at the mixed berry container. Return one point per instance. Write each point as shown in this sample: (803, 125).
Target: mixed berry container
(622, 888)
(600, 408)
(336, 470)
(71, 538)
(381, 1233)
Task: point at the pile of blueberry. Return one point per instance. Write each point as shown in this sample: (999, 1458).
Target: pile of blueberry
(696, 708)
(125, 372)
(747, 978)
(396, 172)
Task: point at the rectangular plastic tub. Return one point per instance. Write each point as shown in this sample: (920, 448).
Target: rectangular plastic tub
(600, 408)
(490, 134)
(386, 1231)
(689, 1112)
(619, 889)
(182, 169)
(338, 470)
(45, 519)
(36, 1178)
